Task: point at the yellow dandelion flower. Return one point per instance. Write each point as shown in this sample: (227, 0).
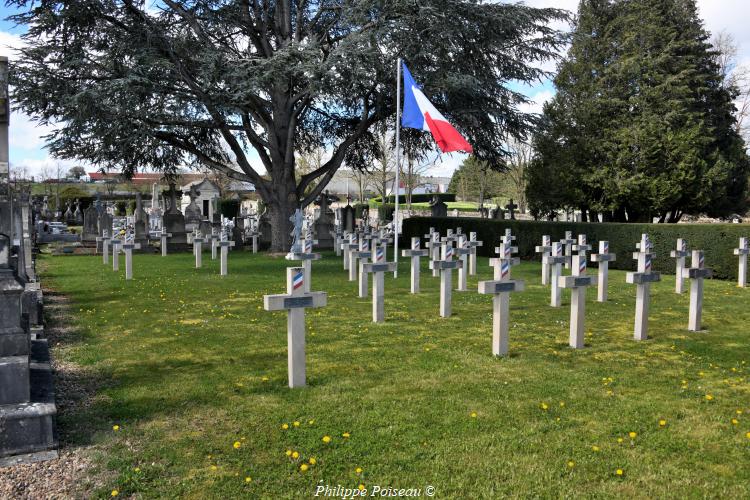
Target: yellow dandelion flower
(137, 469)
(747, 435)
(473, 414)
(619, 472)
(288, 453)
(248, 479)
(115, 428)
(619, 440)
(735, 421)
(295, 454)
(709, 397)
(237, 445)
(544, 406)
(632, 434)
(312, 461)
(595, 448)
(358, 470)
(295, 423)
(346, 435)
(562, 404)
(361, 487)
(326, 439)
(310, 422)
(213, 467)
(739, 412)
(303, 467)
(662, 422)
(571, 464)
(285, 426)
(114, 493)
(265, 379)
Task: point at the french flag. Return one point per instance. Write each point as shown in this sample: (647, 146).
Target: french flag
(419, 113)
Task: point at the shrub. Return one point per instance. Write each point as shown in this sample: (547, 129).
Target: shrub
(716, 240)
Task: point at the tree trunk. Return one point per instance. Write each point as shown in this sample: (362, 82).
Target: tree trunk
(281, 208)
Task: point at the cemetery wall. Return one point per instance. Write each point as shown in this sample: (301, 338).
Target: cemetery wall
(717, 240)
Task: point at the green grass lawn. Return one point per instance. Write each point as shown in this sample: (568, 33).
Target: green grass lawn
(189, 364)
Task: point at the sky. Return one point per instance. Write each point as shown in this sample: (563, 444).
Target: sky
(27, 142)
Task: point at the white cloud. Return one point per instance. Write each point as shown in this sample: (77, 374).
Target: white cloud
(537, 101)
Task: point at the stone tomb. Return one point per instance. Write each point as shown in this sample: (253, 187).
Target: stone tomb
(742, 252)
(577, 283)
(294, 303)
(696, 273)
(679, 255)
(642, 279)
(603, 258)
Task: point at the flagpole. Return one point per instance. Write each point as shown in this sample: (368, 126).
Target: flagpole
(398, 164)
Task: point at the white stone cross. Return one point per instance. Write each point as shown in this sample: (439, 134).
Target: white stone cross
(463, 250)
(568, 243)
(128, 248)
(696, 273)
(105, 239)
(415, 253)
(116, 242)
(500, 289)
(294, 302)
(434, 246)
(225, 246)
(351, 252)
(679, 255)
(642, 279)
(198, 251)
(581, 247)
(545, 248)
(578, 283)
(505, 259)
(473, 244)
(363, 254)
(163, 236)
(254, 234)
(306, 257)
(446, 265)
(378, 268)
(344, 245)
(742, 251)
(555, 261)
(338, 238)
(603, 258)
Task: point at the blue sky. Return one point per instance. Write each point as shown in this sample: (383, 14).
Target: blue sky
(27, 146)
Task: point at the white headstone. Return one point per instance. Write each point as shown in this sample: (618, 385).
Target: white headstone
(545, 249)
(555, 261)
(679, 255)
(642, 279)
(603, 258)
(696, 273)
(415, 253)
(742, 252)
(578, 283)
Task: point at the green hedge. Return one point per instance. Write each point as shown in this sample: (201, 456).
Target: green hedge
(385, 212)
(229, 207)
(358, 208)
(416, 198)
(717, 240)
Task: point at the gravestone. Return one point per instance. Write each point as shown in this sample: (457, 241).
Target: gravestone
(193, 214)
(378, 268)
(302, 249)
(501, 288)
(435, 247)
(438, 208)
(511, 208)
(348, 217)
(90, 226)
(351, 254)
(225, 245)
(679, 255)
(497, 214)
(414, 253)
(642, 279)
(463, 250)
(363, 254)
(323, 225)
(545, 249)
(116, 242)
(140, 225)
(473, 244)
(77, 215)
(173, 223)
(696, 273)
(742, 252)
(581, 247)
(578, 283)
(104, 240)
(104, 222)
(128, 248)
(294, 303)
(568, 242)
(198, 249)
(603, 258)
(163, 236)
(446, 266)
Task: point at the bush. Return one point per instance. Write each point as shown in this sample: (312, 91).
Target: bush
(358, 208)
(716, 240)
(385, 212)
(415, 198)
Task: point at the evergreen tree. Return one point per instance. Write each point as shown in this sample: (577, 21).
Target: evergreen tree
(642, 125)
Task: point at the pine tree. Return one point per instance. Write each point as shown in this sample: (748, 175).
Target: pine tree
(642, 125)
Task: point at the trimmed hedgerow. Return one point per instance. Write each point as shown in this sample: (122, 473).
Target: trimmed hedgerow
(716, 240)
(415, 198)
